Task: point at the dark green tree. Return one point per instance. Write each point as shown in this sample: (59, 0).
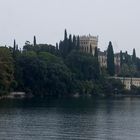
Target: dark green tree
(57, 46)
(34, 42)
(127, 59)
(74, 42)
(43, 74)
(121, 58)
(65, 35)
(67, 45)
(70, 44)
(65, 49)
(96, 52)
(96, 57)
(6, 70)
(110, 60)
(57, 49)
(15, 50)
(63, 46)
(14, 46)
(84, 65)
(78, 43)
(134, 56)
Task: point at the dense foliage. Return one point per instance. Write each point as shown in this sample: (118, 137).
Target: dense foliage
(110, 60)
(42, 74)
(130, 65)
(6, 70)
(62, 70)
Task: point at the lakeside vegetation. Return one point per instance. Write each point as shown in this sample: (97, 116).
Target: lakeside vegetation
(62, 70)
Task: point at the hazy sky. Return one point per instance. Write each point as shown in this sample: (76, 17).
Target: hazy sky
(113, 20)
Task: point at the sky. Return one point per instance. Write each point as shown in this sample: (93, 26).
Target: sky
(112, 20)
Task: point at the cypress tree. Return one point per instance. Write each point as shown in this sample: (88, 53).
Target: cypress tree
(69, 44)
(96, 52)
(14, 46)
(61, 47)
(34, 42)
(57, 47)
(78, 43)
(134, 56)
(121, 58)
(74, 42)
(96, 57)
(110, 60)
(65, 35)
(65, 44)
(126, 58)
(17, 47)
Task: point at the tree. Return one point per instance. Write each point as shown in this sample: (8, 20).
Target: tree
(121, 58)
(78, 43)
(83, 65)
(96, 57)
(34, 42)
(124, 71)
(74, 42)
(96, 52)
(110, 60)
(14, 49)
(28, 46)
(43, 74)
(70, 44)
(6, 70)
(138, 64)
(57, 47)
(64, 46)
(27, 42)
(67, 45)
(14, 46)
(65, 35)
(134, 56)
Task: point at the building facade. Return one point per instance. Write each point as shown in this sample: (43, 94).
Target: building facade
(128, 82)
(88, 43)
(117, 62)
(102, 57)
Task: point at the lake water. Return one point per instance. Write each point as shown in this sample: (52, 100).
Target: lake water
(70, 119)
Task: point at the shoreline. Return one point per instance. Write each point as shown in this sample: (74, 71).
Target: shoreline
(76, 97)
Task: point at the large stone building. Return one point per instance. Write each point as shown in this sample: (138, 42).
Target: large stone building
(102, 57)
(117, 62)
(88, 43)
(128, 82)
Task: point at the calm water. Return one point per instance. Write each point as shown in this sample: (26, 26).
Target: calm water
(70, 119)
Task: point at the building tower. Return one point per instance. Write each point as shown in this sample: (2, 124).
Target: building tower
(88, 43)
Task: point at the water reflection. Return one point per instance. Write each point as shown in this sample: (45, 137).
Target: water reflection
(70, 119)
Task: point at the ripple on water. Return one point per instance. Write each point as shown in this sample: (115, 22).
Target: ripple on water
(71, 120)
